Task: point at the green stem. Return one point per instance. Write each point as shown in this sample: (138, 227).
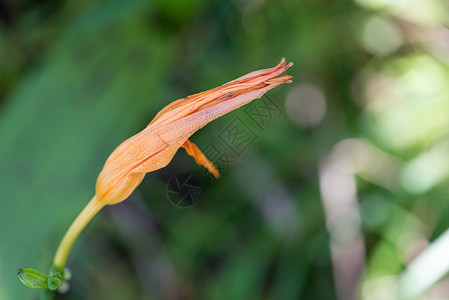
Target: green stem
(75, 229)
(47, 295)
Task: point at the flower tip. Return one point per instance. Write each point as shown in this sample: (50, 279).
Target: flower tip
(279, 80)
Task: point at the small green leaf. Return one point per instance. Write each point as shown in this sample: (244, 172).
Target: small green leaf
(33, 278)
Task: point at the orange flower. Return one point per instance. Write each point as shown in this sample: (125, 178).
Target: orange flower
(154, 147)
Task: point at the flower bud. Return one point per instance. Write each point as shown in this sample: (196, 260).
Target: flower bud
(54, 283)
(55, 279)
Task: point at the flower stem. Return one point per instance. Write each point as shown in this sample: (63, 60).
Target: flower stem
(75, 229)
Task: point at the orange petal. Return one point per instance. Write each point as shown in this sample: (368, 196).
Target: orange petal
(200, 158)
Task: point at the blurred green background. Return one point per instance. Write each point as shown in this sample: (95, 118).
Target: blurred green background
(340, 193)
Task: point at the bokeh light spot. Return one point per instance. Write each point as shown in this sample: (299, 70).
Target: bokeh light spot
(380, 36)
(427, 170)
(424, 12)
(306, 104)
(410, 110)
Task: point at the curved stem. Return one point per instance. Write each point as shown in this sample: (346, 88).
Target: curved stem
(75, 229)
